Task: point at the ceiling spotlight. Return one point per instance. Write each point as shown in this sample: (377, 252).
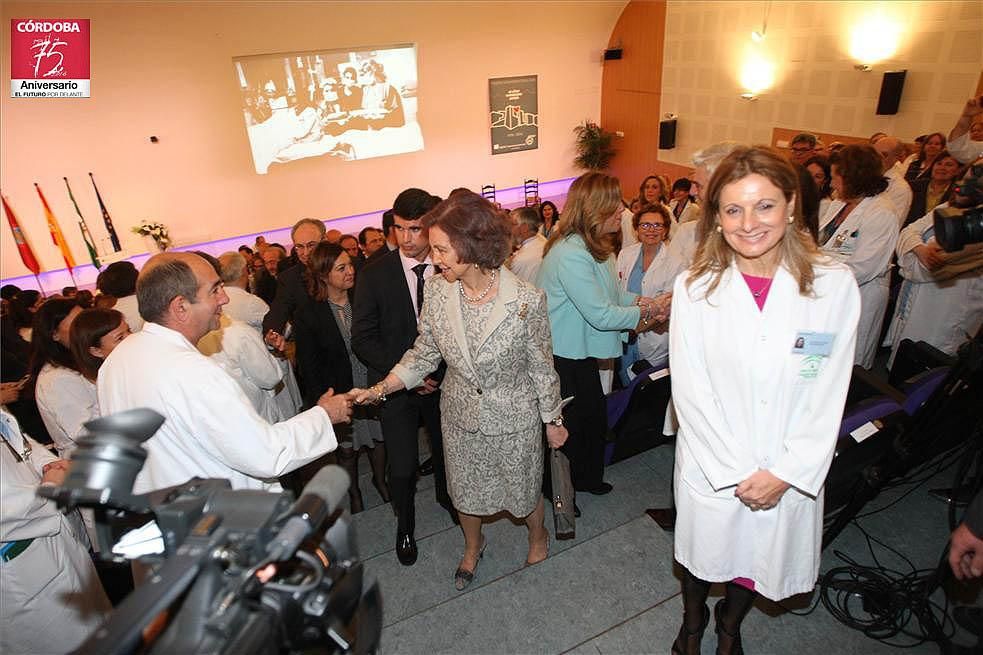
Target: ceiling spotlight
(862, 67)
(757, 36)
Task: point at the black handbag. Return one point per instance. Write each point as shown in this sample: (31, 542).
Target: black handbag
(564, 521)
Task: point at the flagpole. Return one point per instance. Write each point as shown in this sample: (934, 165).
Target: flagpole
(40, 288)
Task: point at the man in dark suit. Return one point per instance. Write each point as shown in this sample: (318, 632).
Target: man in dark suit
(306, 234)
(388, 297)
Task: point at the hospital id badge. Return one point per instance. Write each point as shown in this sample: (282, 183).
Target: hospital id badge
(813, 343)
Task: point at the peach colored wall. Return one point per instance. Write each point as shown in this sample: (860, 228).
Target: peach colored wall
(165, 69)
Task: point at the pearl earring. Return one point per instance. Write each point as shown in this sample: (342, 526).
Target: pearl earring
(791, 218)
(720, 229)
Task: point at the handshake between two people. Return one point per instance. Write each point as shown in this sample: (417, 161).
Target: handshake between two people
(654, 313)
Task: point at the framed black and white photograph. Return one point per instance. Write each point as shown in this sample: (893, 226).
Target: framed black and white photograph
(346, 104)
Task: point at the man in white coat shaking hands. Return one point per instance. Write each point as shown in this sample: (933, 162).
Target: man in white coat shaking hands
(212, 430)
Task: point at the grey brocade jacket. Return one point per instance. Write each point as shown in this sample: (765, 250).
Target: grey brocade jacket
(510, 385)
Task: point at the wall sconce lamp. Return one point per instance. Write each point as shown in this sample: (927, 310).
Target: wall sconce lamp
(749, 96)
(863, 68)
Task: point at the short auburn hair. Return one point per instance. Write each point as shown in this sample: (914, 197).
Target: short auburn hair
(479, 232)
(861, 169)
(659, 209)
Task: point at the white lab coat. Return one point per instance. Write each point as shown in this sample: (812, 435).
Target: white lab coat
(939, 307)
(129, 308)
(52, 598)
(66, 400)
(241, 352)
(865, 242)
(528, 258)
(898, 193)
(212, 430)
(965, 149)
(684, 242)
(745, 402)
(691, 212)
(244, 306)
(628, 235)
(658, 279)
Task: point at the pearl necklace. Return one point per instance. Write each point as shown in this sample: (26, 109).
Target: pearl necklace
(481, 296)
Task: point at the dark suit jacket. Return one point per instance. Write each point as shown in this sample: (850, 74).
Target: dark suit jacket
(919, 191)
(289, 292)
(322, 358)
(384, 321)
(265, 286)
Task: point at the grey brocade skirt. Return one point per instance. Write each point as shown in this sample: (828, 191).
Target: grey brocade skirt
(490, 473)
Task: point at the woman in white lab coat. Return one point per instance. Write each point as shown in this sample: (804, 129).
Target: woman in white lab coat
(941, 298)
(648, 269)
(761, 348)
(860, 229)
(683, 208)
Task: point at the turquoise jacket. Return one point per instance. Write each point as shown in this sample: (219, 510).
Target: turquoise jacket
(588, 312)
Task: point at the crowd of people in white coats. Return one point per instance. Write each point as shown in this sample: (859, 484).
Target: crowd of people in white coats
(760, 280)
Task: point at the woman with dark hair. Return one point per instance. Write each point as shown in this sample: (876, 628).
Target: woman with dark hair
(66, 400)
(929, 193)
(322, 328)
(809, 199)
(647, 268)
(500, 388)
(93, 335)
(919, 165)
(860, 229)
(119, 280)
(682, 206)
(589, 316)
(550, 215)
(758, 409)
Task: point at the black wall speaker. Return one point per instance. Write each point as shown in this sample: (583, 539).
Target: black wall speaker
(612, 53)
(891, 88)
(667, 134)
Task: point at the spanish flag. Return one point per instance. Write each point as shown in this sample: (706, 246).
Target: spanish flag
(56, 236)
(26, 254)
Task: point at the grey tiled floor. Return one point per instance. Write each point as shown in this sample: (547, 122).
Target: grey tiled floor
(614, 588)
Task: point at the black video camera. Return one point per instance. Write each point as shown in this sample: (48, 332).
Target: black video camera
(243, 572)
(961, 223)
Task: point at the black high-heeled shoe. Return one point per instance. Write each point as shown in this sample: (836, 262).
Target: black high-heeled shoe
(736, 648)
(691, 640)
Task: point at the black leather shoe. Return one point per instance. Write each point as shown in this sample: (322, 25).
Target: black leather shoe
(665, 517)
(600, 490)
(406, 551)
(426, 468)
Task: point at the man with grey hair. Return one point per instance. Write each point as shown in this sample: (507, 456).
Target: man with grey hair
(243, 306)
(211, 429)
(898, 191)
(682, 247)
(306, 234)
(528, 257)
(687, 235)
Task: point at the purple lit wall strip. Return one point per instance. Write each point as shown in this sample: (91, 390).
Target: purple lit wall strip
(53, 281)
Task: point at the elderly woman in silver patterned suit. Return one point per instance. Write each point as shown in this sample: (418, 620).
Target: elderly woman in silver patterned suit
(492, 330)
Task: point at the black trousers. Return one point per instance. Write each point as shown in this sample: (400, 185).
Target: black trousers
(401, 416)
(585, 419)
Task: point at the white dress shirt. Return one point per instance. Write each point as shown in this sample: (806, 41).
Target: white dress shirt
(212, 430)
(898, 192)
(408, 265)
(66, 400)
(244, 306)
(528, 258)
(127, 306)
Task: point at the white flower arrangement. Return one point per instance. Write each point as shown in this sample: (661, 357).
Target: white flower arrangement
(156, 231)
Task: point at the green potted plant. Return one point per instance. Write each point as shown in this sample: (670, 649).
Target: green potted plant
(594, 145)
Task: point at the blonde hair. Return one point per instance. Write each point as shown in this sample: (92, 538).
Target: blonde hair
(591, 200)
(798, 250)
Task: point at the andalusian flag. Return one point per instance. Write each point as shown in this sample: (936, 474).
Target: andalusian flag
(26, 254)
(86, 236)
(56, 235)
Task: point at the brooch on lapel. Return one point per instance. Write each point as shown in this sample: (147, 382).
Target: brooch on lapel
(523, 308)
